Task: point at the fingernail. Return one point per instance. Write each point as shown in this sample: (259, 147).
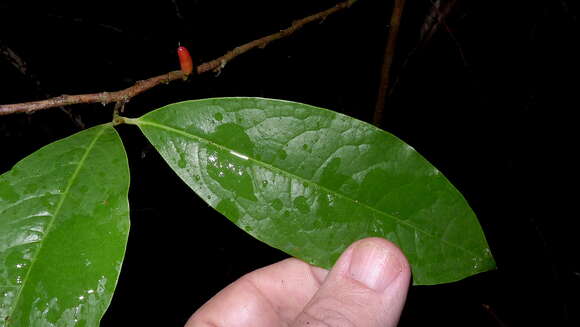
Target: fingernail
(374, 265)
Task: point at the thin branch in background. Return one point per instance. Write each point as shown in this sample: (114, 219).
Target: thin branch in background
(19, 64)
(494, 315)
(14, 59)
(177, 11)
(440, 13)
(433, 22)
(215, 65)
(384, 83)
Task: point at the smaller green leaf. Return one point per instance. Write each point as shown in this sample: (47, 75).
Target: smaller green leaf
(310, 181)
(64, 222)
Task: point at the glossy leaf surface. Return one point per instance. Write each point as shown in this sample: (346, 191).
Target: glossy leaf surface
(64, 222)
(310, 182)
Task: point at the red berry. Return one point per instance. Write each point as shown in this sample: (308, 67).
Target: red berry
(185, 60)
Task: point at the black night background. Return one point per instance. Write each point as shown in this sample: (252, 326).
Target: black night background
(486, 97)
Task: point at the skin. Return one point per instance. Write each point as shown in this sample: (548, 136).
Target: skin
(366, 287)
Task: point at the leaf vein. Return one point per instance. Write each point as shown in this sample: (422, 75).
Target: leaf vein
(54, 216)
(284, 172)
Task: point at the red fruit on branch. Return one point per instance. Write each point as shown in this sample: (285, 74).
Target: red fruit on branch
(185, 60)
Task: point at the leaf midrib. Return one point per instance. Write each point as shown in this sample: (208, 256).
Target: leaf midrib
(140, 121)
(54, 216)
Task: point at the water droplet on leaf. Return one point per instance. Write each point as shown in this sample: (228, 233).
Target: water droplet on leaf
(181, 162)
(302, 204)
(282, 154)
(277, 204)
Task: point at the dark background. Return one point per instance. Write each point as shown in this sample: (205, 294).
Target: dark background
(490, 104)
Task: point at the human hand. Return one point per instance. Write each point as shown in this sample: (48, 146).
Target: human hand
(366, 287)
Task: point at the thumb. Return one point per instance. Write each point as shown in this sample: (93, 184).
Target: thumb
(366, 288)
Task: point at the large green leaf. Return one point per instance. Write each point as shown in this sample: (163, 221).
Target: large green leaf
(64, 222)
(311, 181)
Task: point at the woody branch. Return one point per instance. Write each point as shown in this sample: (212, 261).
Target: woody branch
(139, 87)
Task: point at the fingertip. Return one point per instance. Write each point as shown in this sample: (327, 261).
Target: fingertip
(366, 287)
(377, 262)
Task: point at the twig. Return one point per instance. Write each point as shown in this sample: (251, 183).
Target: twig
(494, 315)
(439, 14)
(388, 61)
(22, 67)
(14, 59)
(177, 11)
(142, 86)
(103, 97)
(428, 30)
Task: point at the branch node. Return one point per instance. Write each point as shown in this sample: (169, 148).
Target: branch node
(118, 120)
(119, 108)
(104, 98)
(222, 65)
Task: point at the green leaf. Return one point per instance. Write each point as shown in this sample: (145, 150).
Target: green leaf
(64, 222)
(310, 181)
